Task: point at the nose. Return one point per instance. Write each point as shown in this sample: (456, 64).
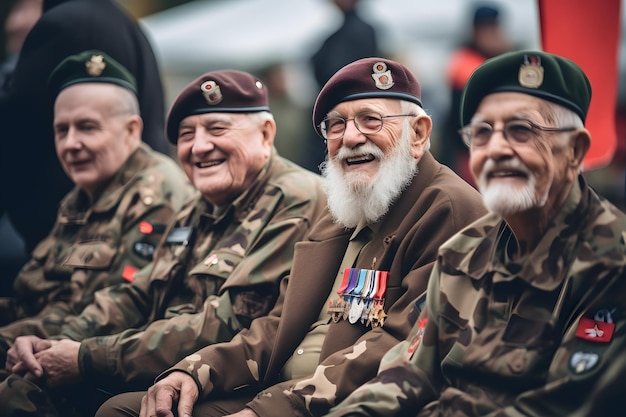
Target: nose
(72, 140)
(352, 137)
(202, 142)
(498, 146)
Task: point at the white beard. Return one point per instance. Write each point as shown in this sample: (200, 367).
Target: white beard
(354, 197)
(504, 200)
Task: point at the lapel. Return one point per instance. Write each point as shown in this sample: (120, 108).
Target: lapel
(315, 266)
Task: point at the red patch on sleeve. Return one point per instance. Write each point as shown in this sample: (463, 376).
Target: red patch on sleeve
(129, 273)
(595, 331)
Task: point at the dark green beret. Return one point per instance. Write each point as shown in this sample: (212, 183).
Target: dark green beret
(225, 91)
(366, 78)
(547, 76)
(91, 66)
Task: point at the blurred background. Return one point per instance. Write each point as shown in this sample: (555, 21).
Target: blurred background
(277, 40)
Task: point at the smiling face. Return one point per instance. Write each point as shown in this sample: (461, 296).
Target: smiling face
(523, 179)
(364, 174)
(222, 153)
(358, 155)
(96, 128)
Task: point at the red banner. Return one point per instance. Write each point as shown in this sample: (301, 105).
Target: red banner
(587, 32)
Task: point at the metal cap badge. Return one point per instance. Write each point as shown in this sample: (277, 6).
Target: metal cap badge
(211, 92)
(382, 76)
(95, 65)
(531, 72)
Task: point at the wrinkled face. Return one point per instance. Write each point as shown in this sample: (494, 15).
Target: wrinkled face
(222, 153)
(358, 155)
(93, 133)
(515, 177)
(365, 173)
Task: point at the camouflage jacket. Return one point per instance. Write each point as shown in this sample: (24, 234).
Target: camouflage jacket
(216, 271)
(530, 337)
(435, 206)
(95, 245)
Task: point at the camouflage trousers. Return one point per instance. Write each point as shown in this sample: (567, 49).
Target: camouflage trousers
(22, 398)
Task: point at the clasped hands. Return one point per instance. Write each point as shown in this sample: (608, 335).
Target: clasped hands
(53, 361)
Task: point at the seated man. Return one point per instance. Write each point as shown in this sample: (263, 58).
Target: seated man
(525, 307)
(109, 225)
(217, 269)
(354, 279)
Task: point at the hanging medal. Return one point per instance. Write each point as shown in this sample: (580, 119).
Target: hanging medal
(356, 304)
(377, 314)
(347, 299)
(336, 306)
(369, 295)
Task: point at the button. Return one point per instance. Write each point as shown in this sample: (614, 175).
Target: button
(300, 351)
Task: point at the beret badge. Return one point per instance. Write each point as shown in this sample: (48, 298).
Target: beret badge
(531, 72)
(95, 65)
(211, 92)
(382, 76)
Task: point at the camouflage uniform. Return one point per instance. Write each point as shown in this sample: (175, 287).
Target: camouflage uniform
(203, 287)
(434, 206)
(512, 338)
(95, 245)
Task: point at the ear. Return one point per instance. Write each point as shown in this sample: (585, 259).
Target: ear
(581, 143)
(134, 126)
(269, 132)
(422, 126)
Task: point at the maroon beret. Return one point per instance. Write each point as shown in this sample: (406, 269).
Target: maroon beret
(225, 91)
(366, 78)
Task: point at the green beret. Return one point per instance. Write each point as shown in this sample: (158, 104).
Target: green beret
(225, 91)
(91, 66)
(540, 74)
(366, 78)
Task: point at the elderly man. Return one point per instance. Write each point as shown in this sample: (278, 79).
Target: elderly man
(122, 188)
(525, 307)
(350, 296)
(217, 269)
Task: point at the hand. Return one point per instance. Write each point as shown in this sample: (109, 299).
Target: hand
(60, 362)
(21, 356)
(159, 400)
(246, 412)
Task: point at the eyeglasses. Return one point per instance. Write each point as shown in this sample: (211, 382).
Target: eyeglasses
(367, 123)
(517, 132)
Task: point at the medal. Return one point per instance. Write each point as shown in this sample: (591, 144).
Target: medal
(372, 286)
(355, 311)
(336, 307)
(352, 283)
(377, 314)
(356, 301)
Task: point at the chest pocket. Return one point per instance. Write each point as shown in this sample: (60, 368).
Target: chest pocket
(203, 280)
(219, 264)
(91, 255)
(520, 348)
(91, 264)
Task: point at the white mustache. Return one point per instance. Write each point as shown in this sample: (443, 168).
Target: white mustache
(367, 148)
(509, 165)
